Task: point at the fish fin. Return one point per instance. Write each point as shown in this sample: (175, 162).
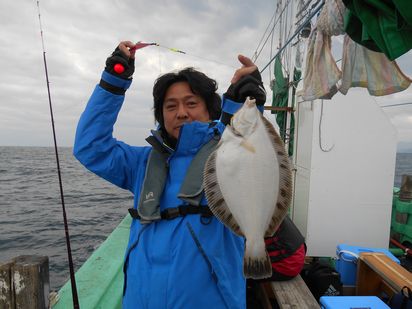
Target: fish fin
(256, 261)
(215, 198)
(248, 146)
(285, 180)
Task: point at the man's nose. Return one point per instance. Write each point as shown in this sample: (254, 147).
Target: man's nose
(182, 111)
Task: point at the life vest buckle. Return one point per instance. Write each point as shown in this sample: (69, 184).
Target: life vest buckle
(171, 213)
(205, 219)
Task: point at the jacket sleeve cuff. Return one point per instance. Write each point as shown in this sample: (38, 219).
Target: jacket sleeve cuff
(231, 107)
(114, 84)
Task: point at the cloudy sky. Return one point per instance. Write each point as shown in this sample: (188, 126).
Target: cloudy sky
(80, 34)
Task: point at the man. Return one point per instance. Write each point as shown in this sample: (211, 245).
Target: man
(179, 255)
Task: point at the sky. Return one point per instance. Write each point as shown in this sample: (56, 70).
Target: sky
(80, 34)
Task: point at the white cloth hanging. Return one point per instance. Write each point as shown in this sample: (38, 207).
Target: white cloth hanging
(363, 67)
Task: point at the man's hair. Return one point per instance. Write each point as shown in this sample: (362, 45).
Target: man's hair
(198, 82)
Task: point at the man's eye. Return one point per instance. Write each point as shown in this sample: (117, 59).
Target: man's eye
(191, 103)
(170, 107)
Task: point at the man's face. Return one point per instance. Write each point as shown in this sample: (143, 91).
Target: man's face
(181, 105)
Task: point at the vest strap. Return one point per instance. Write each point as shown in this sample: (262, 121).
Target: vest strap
(191, 190)
(174, 212)
(154, 181)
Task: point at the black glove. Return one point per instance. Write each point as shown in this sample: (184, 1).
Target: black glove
(248, 86)
(120, 65)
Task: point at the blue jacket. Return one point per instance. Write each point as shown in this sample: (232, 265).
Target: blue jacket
(179, 263)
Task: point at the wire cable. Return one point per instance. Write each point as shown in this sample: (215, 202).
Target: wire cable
(294, 35)
(261, 39)
(399, 104)
(270, 34)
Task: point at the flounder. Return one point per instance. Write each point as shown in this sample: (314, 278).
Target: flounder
(248, 184)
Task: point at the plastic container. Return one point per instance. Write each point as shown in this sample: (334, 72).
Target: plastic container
(345, 302)
(347, 259)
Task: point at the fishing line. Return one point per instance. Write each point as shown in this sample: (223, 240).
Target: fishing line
(176, 50)
(140, 44)
(66, 228)
(160, 62)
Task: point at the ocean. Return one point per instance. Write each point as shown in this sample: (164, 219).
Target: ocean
(31, 219)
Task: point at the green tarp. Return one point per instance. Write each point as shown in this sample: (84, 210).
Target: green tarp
(380, 25)
(280, 97)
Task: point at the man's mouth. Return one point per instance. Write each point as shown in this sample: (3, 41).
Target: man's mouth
(180, 125)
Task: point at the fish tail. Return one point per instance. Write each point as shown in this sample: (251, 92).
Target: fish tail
(256, 261)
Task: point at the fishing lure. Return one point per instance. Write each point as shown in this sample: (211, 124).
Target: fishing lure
(140, 45)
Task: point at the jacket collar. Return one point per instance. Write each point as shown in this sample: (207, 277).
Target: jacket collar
(191, 137)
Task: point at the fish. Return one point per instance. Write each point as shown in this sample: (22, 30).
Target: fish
(247, 181)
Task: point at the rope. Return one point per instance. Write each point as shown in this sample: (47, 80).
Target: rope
(294, 35)
(303, 7)
(66, 228)
(320, 131)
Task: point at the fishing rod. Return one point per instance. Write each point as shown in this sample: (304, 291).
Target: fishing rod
(66, 227)
(294, 35)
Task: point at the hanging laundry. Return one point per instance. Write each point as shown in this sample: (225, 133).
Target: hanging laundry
(404, 11)
(297, 73)
(382, 26)
(322, 73)
(362, 67)
(280, 89)
(331, 18)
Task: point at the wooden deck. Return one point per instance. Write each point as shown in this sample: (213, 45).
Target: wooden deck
(288, 294)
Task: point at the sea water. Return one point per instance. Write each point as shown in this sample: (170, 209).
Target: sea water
(31, 220)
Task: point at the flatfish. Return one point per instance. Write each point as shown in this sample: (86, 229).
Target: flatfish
(248, 184)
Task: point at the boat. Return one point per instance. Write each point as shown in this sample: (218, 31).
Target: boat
(342, 195)
(100, 279)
